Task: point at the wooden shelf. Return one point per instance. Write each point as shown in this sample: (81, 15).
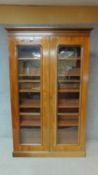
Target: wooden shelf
(69, 117)
(30, 123)
(37, 123)
(68, 81)
(31, 75)
(29, 81)
(64, 123)
(68, 104)
(68, 90)
(61, 104)
(69, 59)
(29, 90)
(68, 85)
(68, 114)
(69, 75)
(30, 104)
(29, 114)
(29, 58)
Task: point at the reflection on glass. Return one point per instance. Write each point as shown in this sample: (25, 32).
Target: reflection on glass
(68, 52)
(28, 51)
(69, 62)
(29, 58)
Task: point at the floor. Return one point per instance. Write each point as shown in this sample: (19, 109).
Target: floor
(48, 166)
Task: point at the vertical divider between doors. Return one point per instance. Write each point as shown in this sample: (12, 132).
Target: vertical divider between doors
(45, 89)
(53, 93)
(49, 119)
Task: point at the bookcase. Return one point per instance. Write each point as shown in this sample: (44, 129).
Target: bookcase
(48, 80)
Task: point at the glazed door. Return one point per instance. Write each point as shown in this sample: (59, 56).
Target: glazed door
(30, 89)
(68, 92)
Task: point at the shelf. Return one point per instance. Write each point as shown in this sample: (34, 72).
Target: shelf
(68, 90)
(68, 104)
(29, 114)
(69, 59)
(64, 123)
(69, 117)
(29, 59)
(61, 104)
(69, 86)
(68, 114)
(37, 123)
(68, 81)
(30, 104)
(59, 81)
(29, 81)
(31, 75)
(30, 123)
(29, 90)
(69, 75)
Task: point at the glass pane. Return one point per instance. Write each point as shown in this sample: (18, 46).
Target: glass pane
(29, 61)
(25, 51)
(69, 62)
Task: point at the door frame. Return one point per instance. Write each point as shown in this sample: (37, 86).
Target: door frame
(84, 43)
(15, 40)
